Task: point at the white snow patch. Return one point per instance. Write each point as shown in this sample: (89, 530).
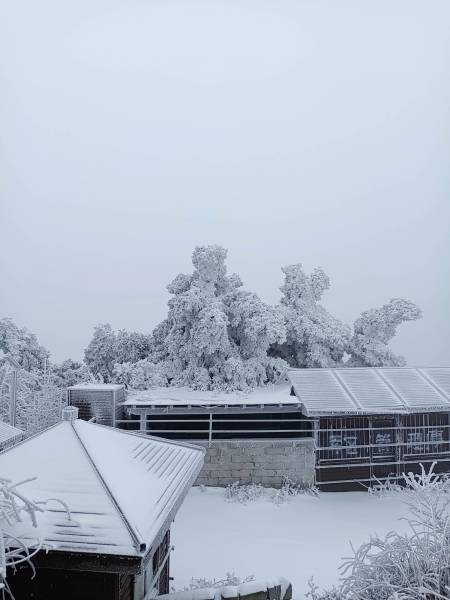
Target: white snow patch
(305, 537)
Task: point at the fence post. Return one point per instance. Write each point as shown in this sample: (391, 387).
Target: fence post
(210, 430)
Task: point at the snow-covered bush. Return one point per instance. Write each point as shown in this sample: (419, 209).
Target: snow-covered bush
(374, 329)
(243, 493)
(216, 334)
(15, 507)
(197, 583)
(246, 493)
(404, 566)
(290, 488)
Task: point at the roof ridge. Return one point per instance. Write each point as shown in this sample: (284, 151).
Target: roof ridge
(352, 397)
(139, 545)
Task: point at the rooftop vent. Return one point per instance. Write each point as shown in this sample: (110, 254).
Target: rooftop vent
(70, 413)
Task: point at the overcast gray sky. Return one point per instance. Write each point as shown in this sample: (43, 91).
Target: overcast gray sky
(308, 131)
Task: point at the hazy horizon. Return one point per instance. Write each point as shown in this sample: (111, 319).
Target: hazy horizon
(312, 132)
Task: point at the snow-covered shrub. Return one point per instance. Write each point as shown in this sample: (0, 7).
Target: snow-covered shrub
(290, 488)
(15, 507)
(216, 335)
(413, 565)
(243, 494)
(197, 583)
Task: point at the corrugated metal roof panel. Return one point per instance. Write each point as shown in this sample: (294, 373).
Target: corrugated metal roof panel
(320, 391)
(371, 390)
(440, 377)
(414, 389)
(372, 393)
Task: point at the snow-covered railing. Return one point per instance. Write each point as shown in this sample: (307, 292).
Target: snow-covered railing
(213, 427)
(280, 589)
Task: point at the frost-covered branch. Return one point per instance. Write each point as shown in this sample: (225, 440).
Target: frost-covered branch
(15, 508)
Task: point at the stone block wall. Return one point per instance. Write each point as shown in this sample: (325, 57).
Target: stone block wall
(257, 461)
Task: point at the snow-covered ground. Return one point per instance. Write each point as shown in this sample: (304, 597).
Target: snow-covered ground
(305, 537)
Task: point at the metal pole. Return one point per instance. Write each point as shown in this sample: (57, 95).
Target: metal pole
(210, 430)
(13, 404)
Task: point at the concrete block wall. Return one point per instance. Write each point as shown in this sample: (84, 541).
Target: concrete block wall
(257, 461)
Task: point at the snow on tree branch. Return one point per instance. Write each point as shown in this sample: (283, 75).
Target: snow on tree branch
(375, 328)
(15, 549)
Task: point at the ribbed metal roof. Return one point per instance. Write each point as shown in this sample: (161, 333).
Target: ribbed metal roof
(9, 434)
(381, 390)
(122, 489)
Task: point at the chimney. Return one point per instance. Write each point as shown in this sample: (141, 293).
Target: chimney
(69, 413)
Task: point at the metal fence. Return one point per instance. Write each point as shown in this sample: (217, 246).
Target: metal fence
(212, 426)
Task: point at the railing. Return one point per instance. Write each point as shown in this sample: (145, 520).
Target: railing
(213, 427)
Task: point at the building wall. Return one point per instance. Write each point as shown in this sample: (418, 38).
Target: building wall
(257, 461)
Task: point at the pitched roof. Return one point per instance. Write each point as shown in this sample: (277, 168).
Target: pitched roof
(369, 390)
(123, 489)
(9, 434)
(183, 396)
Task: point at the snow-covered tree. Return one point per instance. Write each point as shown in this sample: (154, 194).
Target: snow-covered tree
(314, 338)
(108, 348)
(100, 355)
(70, 372)
(216, 334)
(22, 345)
(141, 375)
(131, 346)
(374, 329)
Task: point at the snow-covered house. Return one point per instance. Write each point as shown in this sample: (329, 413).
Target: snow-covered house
(372, 424)
(122, 490)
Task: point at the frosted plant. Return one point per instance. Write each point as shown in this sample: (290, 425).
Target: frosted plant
(216, 334)
(230, 578)
(70, 372)
(314, 338)
(141, 375)
(22, 346)
(404, 566)
(100, 355)
(374, 329)
(108, 348)
(15, 549)
(244, 493)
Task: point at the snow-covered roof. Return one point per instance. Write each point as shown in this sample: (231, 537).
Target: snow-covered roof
(123, 489)
(182, 396)
(96, 386)
(9, 434)
(372, 390)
